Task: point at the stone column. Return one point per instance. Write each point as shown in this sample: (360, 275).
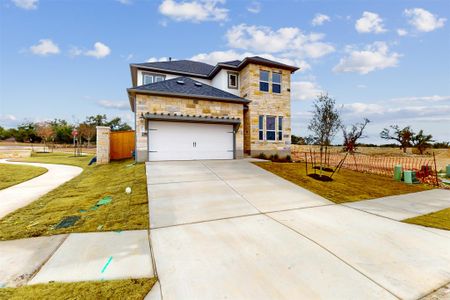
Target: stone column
(103, 144)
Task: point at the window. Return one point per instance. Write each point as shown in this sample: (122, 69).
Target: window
(148, 78)
(264, 81)
(276, 83)
(261, 128)
(270, 128)
(280, 128)
(232, 80)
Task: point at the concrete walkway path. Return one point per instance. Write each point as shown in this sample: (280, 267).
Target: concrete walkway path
(24, 193)
(230, 230)
(76, 257)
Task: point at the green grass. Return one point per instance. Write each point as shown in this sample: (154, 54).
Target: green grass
(59, 158)
(439, 219)
(13, 174)
(78, 197)
(114, 289)
(347, 185)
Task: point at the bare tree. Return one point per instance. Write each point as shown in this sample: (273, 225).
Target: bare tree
(87, 131)
(45, 131)
(422, 141)
(402, 136)
(352, 136)
(325, 122)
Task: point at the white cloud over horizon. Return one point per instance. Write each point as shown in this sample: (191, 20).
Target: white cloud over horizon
(111, 104)
(370, 23)
(99, 50)
(26, 4)
(375, 56)
(423, 20)
(45, 47)
(305, 90)
(194, 11)
(254, 7)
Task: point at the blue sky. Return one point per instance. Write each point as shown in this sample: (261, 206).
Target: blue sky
(388, 61)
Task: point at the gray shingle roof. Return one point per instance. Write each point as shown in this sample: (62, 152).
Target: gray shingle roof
(185, 86)
(233, 63)
(183, 66)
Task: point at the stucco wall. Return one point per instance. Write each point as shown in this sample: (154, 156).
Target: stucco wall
(220, 81)
(159, 104)
(267, 103)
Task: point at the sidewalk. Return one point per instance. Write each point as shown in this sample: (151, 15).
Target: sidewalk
(24, 193)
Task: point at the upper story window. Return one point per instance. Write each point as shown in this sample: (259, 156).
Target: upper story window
(233, 80)
(148, 78)
(264, 81)
(276, 83)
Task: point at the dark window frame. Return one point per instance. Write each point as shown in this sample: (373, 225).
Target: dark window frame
(263, 81)
(229, 74)
(276, 83)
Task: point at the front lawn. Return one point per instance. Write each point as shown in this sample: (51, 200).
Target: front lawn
(77, 201)
(13, 174)
(114, 289)
(347, 185)
(439, 219)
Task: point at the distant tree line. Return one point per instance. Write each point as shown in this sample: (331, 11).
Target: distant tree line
(326, 122)
(60, 131)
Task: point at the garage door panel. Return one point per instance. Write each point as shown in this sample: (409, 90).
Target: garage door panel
(188, 141)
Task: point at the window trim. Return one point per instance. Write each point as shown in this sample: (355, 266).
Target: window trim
(268, 81)
(237, 80)
(154, 75)
(274, 130)
(277, 130)
(276, 83)
(280, 128)
(261, 122)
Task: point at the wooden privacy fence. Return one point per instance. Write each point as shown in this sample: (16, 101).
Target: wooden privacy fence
(382, 165)
(121, 144)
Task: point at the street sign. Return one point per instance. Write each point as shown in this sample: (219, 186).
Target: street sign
(74, 132)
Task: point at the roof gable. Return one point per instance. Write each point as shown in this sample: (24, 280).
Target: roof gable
(179, 66)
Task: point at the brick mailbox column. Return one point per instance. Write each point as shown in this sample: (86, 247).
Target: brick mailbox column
(103, 144)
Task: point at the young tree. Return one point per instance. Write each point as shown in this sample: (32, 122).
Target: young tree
(422, 141)
(402, 136)
(87, 131)
(45, 131)
(116, 124)
(351, 136)
(325, 122)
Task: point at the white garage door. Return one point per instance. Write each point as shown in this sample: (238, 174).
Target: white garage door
(189, 141)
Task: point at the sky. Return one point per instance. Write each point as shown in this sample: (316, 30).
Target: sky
(385, 60)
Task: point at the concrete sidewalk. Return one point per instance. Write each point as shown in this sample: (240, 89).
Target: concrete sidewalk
(24, 193)
(76, 257)
(228, 229)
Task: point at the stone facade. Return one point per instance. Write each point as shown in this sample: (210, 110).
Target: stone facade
(103, 133)
(265, 103)
(186, 106)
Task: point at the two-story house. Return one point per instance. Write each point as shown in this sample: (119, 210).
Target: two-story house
(186, 110)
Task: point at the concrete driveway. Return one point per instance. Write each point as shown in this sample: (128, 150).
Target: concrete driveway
(230, 230)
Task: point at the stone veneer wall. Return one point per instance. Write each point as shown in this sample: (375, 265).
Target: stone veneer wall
(160, 104)
(266, 103)
(103, 133)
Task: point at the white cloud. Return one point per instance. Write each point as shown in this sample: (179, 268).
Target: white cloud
(305, 90)
(374, 57)
(155, 59)
(100, 50)
(214, 57)
(421, 99)
(194, 11)
(319, 19)
(45, 47)
(402, 32)
(423, 20)
(254, 7)
(26, 4)
(361, 86)
(370, 23)
(290, 41)
(122, 105)
(126, 2)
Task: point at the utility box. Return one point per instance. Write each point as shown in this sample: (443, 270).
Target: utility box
(410, 177)
(398, 173)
